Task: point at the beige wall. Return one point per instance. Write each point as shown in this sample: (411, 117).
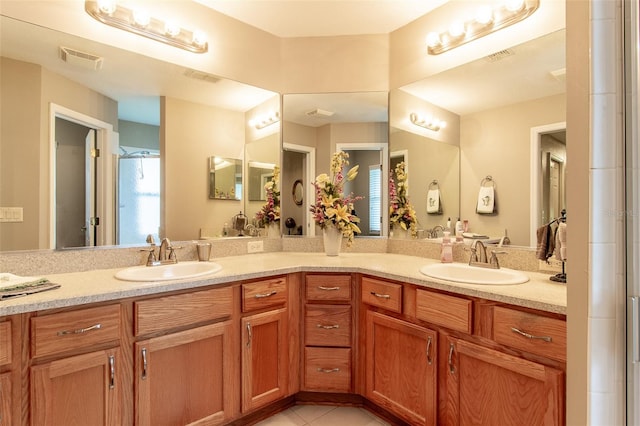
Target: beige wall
(497, 143)
(139, 135)
(190, 134)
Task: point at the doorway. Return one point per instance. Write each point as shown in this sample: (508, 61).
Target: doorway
(81, 180)
(300, 163)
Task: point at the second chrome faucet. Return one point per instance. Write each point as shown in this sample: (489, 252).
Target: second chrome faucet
(166, 252)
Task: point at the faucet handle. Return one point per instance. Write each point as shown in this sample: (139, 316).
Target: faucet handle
(150, 240)
(494, 258)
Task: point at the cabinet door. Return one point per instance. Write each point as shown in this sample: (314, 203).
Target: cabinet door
(264, 358)
(5, 399)
(401, 368)
(80, 390)
(182, 378)
(488, 387)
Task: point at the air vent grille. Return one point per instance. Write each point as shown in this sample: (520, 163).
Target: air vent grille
(81, 59)
(497, 56)
(199, 75)
(319, 113)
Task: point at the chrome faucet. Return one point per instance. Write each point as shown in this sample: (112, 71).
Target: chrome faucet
(478, 256)
(433, 233)
(166, 252)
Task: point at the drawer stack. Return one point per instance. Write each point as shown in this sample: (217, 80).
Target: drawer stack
(328, 335)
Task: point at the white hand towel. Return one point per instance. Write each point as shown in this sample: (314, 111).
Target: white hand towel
(433, 201)
(486, 200)
(561, 240)
(8, 280)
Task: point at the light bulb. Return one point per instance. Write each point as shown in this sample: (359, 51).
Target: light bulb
(106, 6)
(433, 39)
(456, 29)
(141, 17)
(484, 15)
(514, 5)
(171, 29)
(199, 38)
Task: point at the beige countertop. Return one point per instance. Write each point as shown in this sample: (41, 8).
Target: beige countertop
(80, 288)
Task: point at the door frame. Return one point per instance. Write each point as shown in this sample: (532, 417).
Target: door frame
(535, 186)
(310, 176)
(106, 139)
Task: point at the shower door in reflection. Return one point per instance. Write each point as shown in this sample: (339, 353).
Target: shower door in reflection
(138, 197)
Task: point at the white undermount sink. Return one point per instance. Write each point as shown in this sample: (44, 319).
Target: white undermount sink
(174, 271)
(463, 273)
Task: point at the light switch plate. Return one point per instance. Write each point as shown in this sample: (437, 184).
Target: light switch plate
(11, 214)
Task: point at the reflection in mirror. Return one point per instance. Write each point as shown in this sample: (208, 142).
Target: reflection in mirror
(225, 178)
(491, 105)
(126, 94)
(297, 192)
(261, 157)
(259, 175)
(314, 125)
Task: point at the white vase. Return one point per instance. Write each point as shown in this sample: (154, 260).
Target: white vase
(273, 230)
(332, 238)
(401, 234)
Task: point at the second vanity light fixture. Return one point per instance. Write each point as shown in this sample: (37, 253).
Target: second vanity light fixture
(430, 123)
(139, 21)
(486, 21)
(267, 120)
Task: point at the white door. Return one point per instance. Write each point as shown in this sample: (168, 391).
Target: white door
(90, 185)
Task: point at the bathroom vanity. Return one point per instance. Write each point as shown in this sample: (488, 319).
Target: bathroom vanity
(269, 331)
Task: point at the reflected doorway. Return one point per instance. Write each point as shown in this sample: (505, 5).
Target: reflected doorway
(298, 166)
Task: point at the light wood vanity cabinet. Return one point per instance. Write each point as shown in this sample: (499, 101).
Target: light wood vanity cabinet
(264, 344)
(72, 383)
(184, 376)
(6, 372)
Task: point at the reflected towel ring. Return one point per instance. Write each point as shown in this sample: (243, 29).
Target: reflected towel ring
(488, 180)
(434, 184)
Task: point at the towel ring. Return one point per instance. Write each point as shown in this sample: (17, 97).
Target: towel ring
(434, 184)
(488, 180)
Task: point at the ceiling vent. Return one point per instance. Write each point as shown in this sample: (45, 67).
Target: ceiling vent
(81, 59)
(319, 113)
(497, 56)
(199, 75)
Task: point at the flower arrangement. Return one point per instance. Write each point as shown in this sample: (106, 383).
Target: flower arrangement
(401, 213)
(332, 206)
(270, 211)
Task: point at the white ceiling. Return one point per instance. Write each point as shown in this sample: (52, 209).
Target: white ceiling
(318, 18)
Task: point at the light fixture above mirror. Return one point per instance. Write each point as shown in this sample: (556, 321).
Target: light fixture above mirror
(485, 21)
(428, 122)
(139, 21)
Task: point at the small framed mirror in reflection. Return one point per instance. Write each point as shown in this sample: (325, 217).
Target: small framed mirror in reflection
(297, 192)
(225, 178)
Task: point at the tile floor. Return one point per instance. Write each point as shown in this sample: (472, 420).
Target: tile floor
(323, 415)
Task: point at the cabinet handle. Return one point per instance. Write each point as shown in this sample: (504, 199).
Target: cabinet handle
(144, 363)
(327, 327)
(328, 370)
(531, 336)
(429, 344)
(381, 296)
(452, 368)
(328, 288)
(263, 295)
(80, 330)
(249, 335)
(112, 372)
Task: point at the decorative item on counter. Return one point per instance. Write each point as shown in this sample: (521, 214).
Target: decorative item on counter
(333, 210)
(269, 214)
(290, 223)
(486, 197)
(459, 230)
(434, 204)
(402, 216)
(239, 222)
(446, 251)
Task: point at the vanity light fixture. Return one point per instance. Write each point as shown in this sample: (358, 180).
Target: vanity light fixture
(486, 21)
(139, 21)
(430, 122)
(267, 120)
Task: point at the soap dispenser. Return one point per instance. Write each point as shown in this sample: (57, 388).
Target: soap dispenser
(459, 231)
(446, 252)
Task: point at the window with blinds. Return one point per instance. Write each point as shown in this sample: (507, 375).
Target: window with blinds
(375, 198)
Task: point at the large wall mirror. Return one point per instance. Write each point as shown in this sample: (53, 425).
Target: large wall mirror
(151, 121)
(505, 118)
(317, 125)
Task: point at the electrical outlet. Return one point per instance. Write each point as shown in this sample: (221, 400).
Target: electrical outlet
(255, 247)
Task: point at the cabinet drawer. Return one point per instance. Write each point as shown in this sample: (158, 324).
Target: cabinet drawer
(168, 312)
(447, 311)
(328, 287)
(5, 342)
(530, 332)
(383, 294)
(264, 294)
(68, 331)
(327, 369)
(327, 325)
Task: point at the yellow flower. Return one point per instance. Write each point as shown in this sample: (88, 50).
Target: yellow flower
(340, 213)
(323, 178)
(328, 200)
(352, 173)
